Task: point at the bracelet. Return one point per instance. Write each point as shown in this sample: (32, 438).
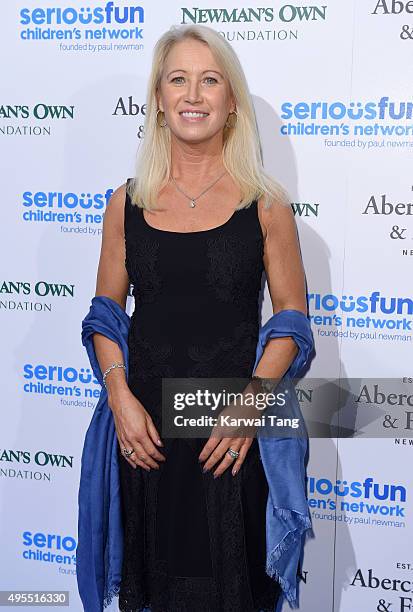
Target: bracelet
(111, 367)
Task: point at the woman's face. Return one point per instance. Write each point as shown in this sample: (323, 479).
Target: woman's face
(193, 81)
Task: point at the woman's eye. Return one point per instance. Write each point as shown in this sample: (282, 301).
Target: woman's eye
(210, 79)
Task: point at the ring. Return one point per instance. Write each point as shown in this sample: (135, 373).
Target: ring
(127, 452)
(234, 454)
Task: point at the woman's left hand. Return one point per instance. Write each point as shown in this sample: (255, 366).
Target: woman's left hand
(237, 436)
(216, 450)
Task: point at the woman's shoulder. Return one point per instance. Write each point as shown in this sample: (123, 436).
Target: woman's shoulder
(115, 209)
(277, 213)
(118, 196)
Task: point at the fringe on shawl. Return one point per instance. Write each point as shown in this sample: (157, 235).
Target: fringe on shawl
(292, 537)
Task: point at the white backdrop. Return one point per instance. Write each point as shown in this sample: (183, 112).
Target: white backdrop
(332, 89)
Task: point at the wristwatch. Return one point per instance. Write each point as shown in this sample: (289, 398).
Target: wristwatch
(267, 384)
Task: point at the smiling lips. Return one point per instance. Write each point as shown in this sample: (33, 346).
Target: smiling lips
(193, 116)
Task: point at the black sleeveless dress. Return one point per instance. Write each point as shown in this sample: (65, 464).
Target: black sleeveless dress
(193, 543)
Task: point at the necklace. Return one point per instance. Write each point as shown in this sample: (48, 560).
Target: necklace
(193, 200)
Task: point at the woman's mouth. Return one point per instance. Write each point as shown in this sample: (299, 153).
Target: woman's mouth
(191, 116)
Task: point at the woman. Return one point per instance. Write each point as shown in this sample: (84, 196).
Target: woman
(193, 232)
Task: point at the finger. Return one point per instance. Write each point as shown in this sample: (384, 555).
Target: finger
(150, 449)
(219, 452)
(227, 460)
(208, 448)
(242, 454)
(148, 445)
(153, 432)
(144, 456)
(142, 464)
(131, 460)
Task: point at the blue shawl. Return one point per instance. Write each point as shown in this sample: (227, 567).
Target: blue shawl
(100, 532)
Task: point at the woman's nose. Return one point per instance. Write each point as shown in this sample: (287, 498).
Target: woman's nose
(193, 92)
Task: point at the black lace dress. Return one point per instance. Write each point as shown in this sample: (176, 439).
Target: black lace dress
(192, 542)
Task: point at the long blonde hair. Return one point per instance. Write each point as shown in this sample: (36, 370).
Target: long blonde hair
(241, 144)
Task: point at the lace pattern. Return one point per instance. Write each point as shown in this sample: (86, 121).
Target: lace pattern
(215, 338)
(234, 270)
(226, 355)
(149, 359)
(141, 265)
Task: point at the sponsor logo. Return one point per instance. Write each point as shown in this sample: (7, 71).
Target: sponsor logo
(364, 502)
(382, 205)
(22, 464)
(50, 548)
(73, 213)
(366, 125)
(286, 13)
(394, 590)
(40, 457)
(305, 209)
(87, 28)
(35, 120)
(75, 387)
(40, 288)
(12, 292)
(362, 317)
(249, 20)
(396, 7)
(126, 107)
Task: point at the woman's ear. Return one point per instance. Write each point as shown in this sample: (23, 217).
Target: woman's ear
(158, 101)
(233, 102)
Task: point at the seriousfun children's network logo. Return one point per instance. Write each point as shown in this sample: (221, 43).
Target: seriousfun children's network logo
(362, 317)
(75, 213)
(74, 387)
(49, 548)
(88, 28)
(357, 502)
(364, 125)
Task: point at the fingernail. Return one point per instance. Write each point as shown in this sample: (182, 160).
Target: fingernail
(234, 472)
(205, 469)
(216, 475)
(159, 442)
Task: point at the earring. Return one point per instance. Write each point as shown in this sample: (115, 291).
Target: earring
(163, 122)
(232, 125)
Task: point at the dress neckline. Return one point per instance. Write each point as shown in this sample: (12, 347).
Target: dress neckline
(206, 231)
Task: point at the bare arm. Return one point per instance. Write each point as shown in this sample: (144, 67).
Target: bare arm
(286, 283)
(112, 281)
(134, 426)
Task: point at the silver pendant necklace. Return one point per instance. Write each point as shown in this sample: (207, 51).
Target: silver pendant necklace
(192, 201)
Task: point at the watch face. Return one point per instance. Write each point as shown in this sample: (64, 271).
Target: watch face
(268, 385)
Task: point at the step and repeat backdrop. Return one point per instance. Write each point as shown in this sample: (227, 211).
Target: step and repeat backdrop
(332, 89)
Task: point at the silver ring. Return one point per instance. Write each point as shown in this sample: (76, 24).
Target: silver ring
(127, 452)
(234, 454)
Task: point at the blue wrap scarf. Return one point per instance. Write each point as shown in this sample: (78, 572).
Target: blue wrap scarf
(100, 532)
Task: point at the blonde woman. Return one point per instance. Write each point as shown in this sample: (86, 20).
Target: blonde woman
(193, 232)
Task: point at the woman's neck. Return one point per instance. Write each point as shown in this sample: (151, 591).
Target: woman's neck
(196, 163)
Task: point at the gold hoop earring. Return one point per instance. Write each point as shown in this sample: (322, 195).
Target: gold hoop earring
(232, 124)
(163, 122)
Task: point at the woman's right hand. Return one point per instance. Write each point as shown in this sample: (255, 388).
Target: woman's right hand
(135, 429)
